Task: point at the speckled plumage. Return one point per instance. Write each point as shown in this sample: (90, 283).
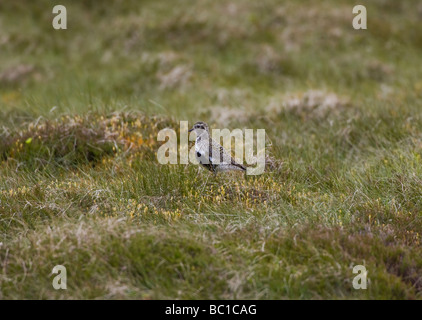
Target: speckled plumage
(210, 154)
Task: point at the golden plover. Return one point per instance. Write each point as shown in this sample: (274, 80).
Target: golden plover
(210, 154)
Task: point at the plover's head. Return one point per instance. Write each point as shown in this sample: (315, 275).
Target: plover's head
(199, 128)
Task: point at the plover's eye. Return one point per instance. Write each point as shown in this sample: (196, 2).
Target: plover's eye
(198, 154)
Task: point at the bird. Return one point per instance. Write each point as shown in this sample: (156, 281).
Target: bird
(210, 154)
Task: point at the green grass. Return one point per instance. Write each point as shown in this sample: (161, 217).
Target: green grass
(80, 184)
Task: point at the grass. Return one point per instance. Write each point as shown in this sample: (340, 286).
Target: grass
(80, 185)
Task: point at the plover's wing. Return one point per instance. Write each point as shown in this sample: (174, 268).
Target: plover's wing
(217, 153)
(222, 156)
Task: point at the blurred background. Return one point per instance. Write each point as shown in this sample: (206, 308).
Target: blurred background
(183, 58)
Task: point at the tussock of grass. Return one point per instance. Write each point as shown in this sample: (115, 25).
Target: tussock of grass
(72, 140)
(99, 247)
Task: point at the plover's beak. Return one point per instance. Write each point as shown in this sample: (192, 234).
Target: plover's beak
(190, 130)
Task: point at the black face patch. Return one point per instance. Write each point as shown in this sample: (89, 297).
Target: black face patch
(198, 154)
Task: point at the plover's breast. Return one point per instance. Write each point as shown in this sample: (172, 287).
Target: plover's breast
(201, 154)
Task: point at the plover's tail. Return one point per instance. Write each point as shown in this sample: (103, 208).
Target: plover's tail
(228, 167)
(239, 166)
